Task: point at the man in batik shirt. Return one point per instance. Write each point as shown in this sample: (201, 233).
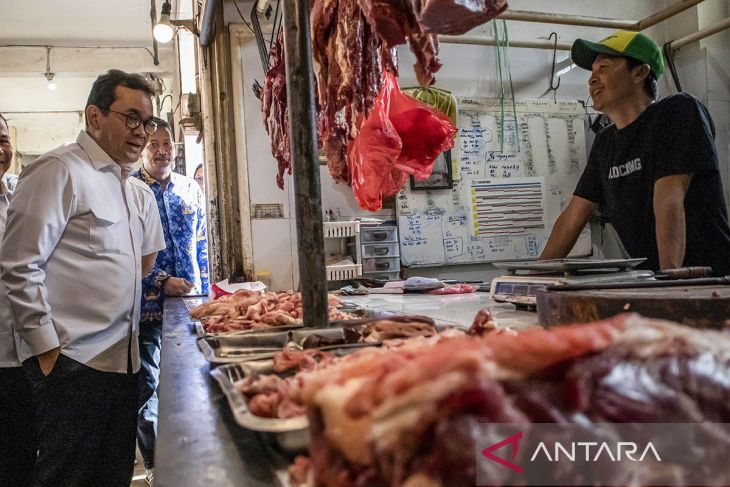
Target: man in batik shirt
(180, 269)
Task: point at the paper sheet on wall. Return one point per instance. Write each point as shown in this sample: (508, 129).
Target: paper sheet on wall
(512, 185)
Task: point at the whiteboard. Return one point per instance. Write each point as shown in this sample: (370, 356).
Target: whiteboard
(507, 192)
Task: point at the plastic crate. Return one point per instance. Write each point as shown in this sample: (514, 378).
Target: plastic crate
(343, 272)
(341, 229)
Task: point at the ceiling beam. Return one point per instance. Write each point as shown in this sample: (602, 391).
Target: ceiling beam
(30, 61)
(586, 21)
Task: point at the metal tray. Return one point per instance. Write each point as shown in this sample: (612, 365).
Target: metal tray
(193, 301)
(568, 265)
(253, 347)
(200, 330)
(235, 348)
(265, 344)
(290, 435)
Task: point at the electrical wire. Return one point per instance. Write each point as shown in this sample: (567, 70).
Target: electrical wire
(498, 49)
(511, 86)
(276, 24)
(235, 4)
(502, 50)
(162, 103)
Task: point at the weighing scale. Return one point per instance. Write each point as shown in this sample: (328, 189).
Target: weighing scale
(524, 278)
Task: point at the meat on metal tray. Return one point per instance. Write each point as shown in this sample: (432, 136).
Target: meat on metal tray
(289, 434)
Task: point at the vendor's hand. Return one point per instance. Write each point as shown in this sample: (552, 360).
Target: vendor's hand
(47, 360)
(177, 286)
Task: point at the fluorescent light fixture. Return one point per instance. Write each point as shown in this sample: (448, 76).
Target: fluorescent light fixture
(564, 66)
(164, 30)
(565, 70)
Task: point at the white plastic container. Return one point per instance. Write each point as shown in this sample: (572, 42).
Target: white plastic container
(341, 229)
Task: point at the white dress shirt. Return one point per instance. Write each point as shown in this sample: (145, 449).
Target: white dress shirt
(9, 341)
(71, 258)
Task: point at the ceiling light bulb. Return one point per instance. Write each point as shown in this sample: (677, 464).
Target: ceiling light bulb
(164, 31)
(51, 83)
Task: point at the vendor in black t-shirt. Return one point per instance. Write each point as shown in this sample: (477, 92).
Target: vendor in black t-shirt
(654, 172)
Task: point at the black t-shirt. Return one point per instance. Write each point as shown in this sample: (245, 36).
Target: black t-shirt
(672, 136)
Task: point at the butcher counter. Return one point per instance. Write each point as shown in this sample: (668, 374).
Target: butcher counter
(199, 443)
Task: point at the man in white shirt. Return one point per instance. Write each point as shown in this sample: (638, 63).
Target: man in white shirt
(71, 260)
(17, 451)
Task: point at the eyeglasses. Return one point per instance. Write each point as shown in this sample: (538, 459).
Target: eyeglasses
(132, 121)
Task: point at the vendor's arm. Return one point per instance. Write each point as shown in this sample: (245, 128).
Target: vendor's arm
(669, 193)
(567, 228)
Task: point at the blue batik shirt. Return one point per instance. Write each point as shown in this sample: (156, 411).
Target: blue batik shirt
(182, 214)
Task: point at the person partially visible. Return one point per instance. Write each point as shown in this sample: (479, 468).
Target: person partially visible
(17, 448)
(71, 261)
(654, 173)
(180, 269)
(199, 176)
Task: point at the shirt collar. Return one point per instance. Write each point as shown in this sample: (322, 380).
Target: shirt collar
(98, 157)
(147, 178)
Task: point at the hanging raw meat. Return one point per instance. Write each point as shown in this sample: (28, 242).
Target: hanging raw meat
(275, 110)
(353, 47)
(455, 17)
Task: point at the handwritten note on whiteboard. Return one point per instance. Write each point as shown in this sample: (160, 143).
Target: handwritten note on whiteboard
(512, 183)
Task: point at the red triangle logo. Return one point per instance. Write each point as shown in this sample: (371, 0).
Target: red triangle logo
(512, 440)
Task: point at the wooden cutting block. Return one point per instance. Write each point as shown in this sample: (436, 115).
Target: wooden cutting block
(696, 306)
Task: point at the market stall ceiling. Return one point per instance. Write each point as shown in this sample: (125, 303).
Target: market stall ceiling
(81, 22)
(114, 25)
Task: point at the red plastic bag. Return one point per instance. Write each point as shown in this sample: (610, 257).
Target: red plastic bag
(400, 136)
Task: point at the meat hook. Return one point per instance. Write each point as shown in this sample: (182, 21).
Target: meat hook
(552, 69)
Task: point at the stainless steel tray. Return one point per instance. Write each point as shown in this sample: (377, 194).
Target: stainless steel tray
(235, 348)
(264, 345)
(200, 330)
(568, 265)
(290, 435)
(193, 301)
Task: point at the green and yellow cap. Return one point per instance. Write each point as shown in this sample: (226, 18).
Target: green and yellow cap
(623, 43)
